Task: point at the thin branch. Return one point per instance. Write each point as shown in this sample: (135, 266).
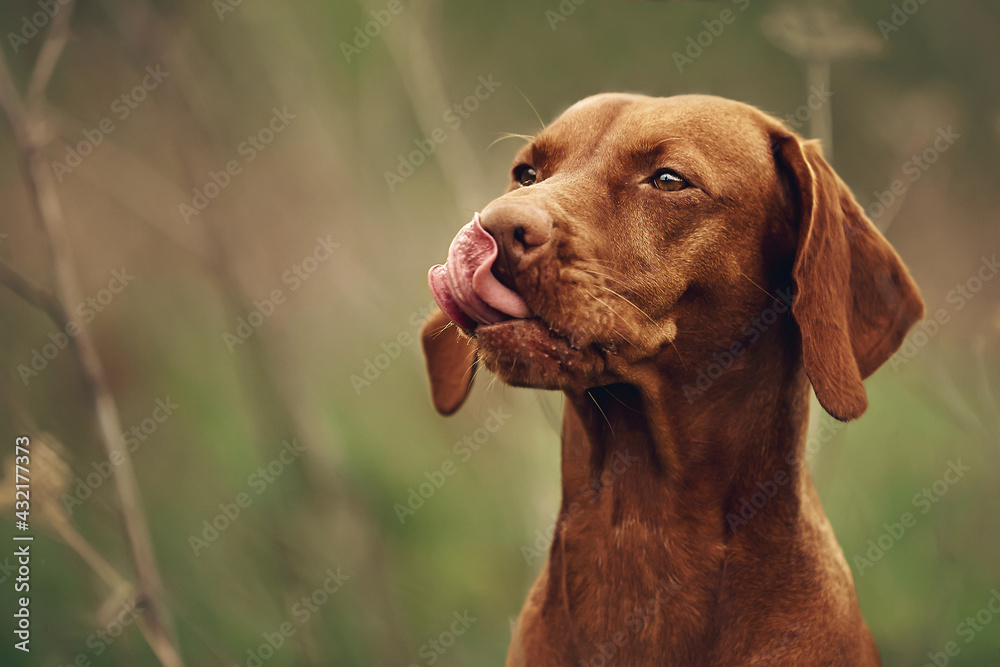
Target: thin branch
(412, 54)
(85, 550)
(44, 197)
(48, 450)
(34, 294)
(147, 37)
(48, 56)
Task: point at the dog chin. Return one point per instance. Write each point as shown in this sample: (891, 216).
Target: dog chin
(526, 353)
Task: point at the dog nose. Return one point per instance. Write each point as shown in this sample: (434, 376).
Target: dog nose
(521, 232)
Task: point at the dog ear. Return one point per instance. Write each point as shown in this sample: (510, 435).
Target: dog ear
(451, 362)
(854, 298)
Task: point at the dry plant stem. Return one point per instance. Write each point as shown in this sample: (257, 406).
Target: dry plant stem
(48, 57)
(412, 55)
(37, 296)
(52, 513)
(267, 381)
(42, 190)
(271, 410)
(56, 518)
(86, 551)
(147, 39)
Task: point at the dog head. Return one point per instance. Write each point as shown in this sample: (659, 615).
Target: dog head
(638, 233)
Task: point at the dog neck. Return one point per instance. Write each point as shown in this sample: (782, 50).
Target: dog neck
(669, 490)
(651, 439)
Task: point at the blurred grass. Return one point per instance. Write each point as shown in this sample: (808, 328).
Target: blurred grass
(325, 175)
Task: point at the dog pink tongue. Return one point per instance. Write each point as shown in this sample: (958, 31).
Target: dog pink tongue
(465, 287)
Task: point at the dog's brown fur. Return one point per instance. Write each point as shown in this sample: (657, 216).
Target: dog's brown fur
(635, 293)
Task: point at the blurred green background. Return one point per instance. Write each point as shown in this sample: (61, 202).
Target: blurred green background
(332, 366)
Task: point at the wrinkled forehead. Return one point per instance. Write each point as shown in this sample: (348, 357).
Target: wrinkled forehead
(721, 139)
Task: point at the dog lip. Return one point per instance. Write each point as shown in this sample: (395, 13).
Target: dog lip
(535, 323)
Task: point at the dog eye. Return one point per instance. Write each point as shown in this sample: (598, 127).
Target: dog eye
(525, 174)
(665, 179)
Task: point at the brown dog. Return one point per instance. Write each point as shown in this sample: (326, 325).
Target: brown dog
(641, 261)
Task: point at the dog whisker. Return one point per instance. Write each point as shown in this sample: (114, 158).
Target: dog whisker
(510, 135)
(610, 427)
(605, 276)
(537, 115)
(617, 314)
(442, 330)
(608, 289)
(760, 288)
(621, 335)
(476, 372)
(626, 405)
(491, 384)
(679, 357)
